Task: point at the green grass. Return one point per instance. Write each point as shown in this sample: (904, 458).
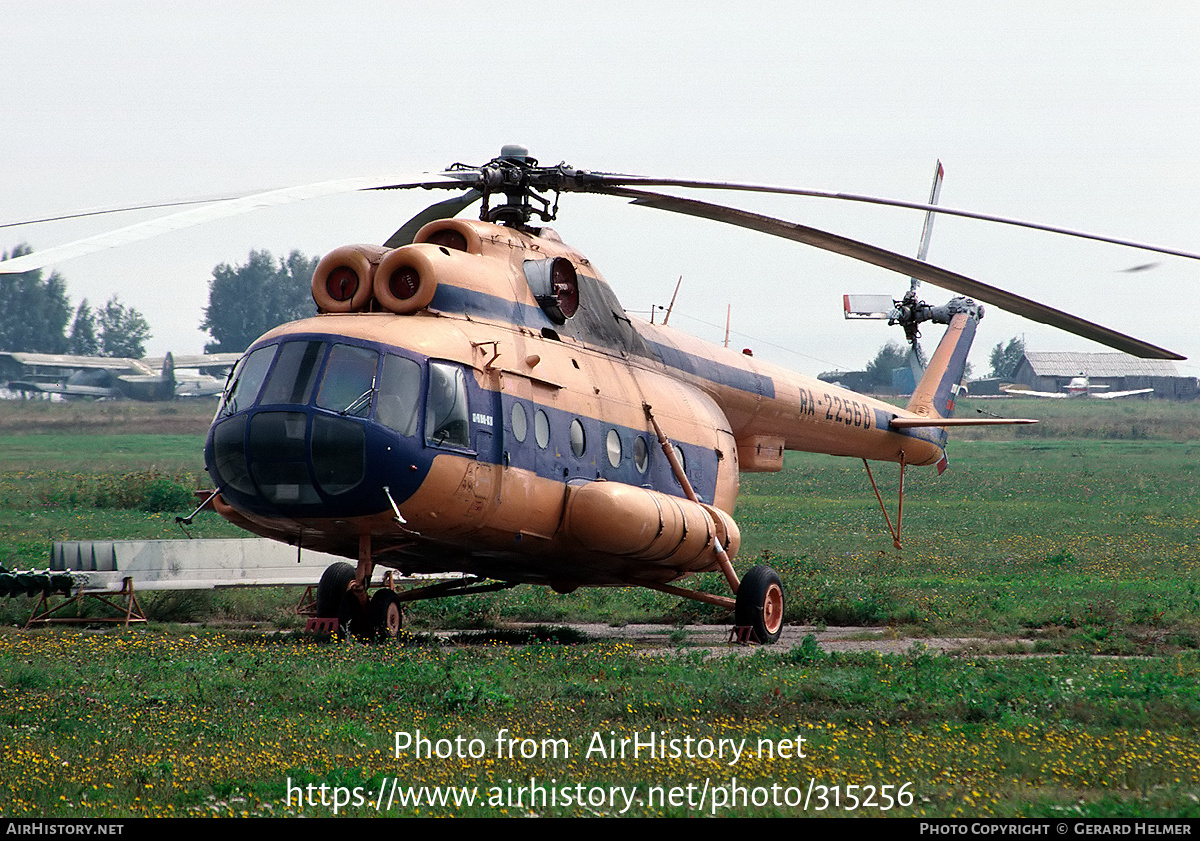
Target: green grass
(1095, 542)
(66, 452)
(202, 723)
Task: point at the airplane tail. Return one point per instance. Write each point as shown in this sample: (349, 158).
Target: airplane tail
(167, 387)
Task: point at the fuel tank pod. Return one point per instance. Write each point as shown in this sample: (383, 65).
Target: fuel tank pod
(640, 523)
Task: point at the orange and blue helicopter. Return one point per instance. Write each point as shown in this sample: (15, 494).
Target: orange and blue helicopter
(473, 398)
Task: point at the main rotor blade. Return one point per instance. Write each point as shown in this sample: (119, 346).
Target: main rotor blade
(220, 210)
(447, 209)
(904, 265)
(116, 208)
(603, 183)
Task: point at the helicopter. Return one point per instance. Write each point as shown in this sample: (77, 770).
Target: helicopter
(472, 398)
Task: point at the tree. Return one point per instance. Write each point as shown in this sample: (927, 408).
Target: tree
(246, 301)
(83, 340)
(33, 312)
(123, 330)
(891, 356)
(1006, 358)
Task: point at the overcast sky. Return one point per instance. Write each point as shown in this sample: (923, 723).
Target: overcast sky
(1085, 115)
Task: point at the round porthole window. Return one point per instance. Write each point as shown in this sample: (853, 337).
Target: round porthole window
(641, 454)
(520, 425)
(614, 448)
(578, 439)
(541, 428)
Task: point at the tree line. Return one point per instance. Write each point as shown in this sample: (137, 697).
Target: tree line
(1004, 358)
(37, 317)
(244, 302)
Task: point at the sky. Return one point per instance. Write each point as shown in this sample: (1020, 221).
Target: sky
(1084, 115)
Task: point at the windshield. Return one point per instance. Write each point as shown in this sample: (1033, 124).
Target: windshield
(247, 379)
(349, 381)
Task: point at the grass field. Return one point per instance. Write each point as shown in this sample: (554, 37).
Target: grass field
(1079, 541)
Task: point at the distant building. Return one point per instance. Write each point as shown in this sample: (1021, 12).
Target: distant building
(1049, 371)
(859, 381)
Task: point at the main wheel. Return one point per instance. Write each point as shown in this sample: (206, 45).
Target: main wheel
(387, 614)
(334, 581)
(760, 604)
(354, 619)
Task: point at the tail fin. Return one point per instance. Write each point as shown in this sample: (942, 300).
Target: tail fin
(166, 388)
(936, 392)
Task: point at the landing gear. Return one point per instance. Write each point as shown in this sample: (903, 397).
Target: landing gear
(382, 617)
(355, 620)
(760, 604)
(387, 614)
(334, 583)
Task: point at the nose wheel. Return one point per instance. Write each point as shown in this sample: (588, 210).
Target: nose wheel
(760, 604)
(387, 614)
(354, 620)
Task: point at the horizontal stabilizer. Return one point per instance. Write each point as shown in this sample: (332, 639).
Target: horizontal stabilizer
(868, 306)
(909, 423)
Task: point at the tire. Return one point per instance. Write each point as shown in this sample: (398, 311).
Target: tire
(760, 604)
(387, 614)
(355, 620)
(334, 581)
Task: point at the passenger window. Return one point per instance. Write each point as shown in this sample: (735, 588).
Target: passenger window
(399, 394)
(641, 454)
(614, 448)
(578, 438)
(541, 428)
(520, 424)
(446, 409)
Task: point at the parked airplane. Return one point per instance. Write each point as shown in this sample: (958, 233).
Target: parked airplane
(1079, 386)
(115, 377)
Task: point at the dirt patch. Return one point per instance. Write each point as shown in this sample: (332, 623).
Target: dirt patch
(106, 417)
(715, 639)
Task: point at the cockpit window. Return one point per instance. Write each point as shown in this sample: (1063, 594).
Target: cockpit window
(349, 381)
(446, 409)
(399, 394)
(294, 375)
(247, 379)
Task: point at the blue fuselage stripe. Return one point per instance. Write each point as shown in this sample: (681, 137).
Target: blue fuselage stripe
(453, 299)
(713, 371)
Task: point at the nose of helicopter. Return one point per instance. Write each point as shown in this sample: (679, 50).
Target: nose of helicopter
(284, 444)
(303, 463)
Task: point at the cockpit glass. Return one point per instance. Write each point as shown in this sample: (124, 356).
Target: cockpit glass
(446, 410)
(399, 394)
(247, 379)
(294, 375)
(349, 381)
